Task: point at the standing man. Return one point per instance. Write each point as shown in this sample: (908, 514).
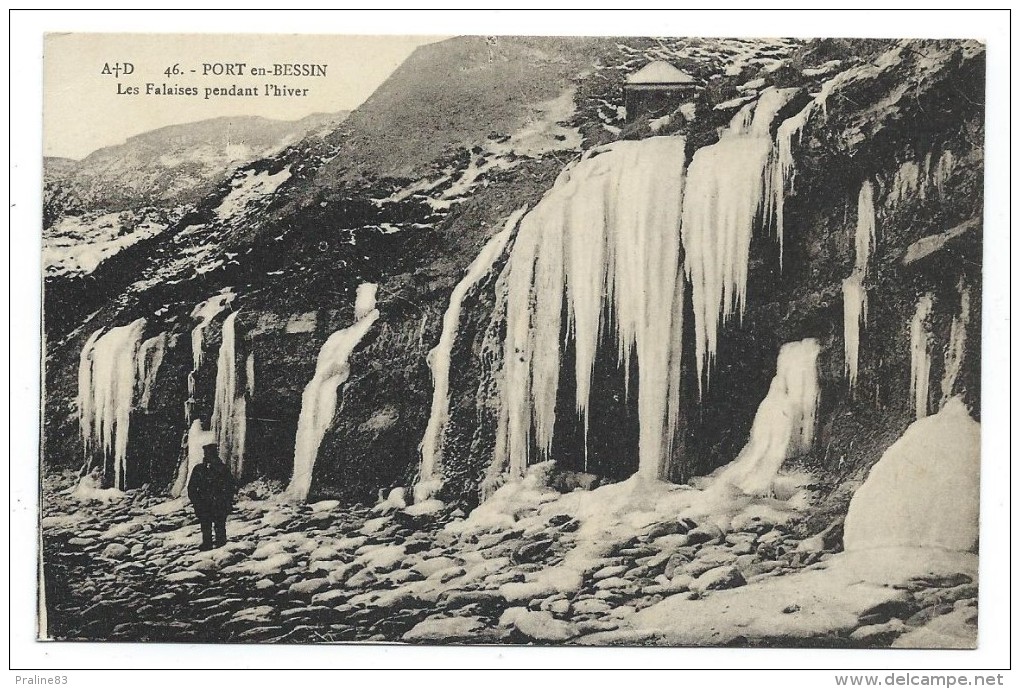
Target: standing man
(211, 490)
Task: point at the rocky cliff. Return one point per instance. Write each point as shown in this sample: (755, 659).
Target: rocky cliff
(847, 175)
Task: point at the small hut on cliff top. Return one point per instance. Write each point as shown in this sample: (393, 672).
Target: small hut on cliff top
(657, 89)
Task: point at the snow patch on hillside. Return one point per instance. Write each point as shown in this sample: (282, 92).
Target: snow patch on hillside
(249, 186)
(76, 245)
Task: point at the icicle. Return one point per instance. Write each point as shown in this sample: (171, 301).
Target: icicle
(518, 350)
(249, 374)
(957, 346)
(855, 316)
(741, 122)
(586, 254)
(546, 321)
(229, 416)
(439, 357)
(784, 425)
(107, 395)
(318, 402)
(86, 397)
(920, 356)
(205, 312)
(783, 169)
(729, 189)
(943, 171)
(864, 236)
(855, 294)
(608, 235)
(150, 358)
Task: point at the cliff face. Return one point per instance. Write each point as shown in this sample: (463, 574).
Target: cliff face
(292, 236)
(881, 126)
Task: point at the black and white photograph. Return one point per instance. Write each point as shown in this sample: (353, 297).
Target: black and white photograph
(512, 340)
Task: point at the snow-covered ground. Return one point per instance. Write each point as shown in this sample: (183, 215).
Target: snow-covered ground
(76, 245)
(248, 186)
(638, 562)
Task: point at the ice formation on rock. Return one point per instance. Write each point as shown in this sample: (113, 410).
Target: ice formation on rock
(783, 169)
(855, 292)
(957, 347)
(150, 358)
(107, 378)
(915, 178)
(229, 415)
(605, 238)
(205, 312)
(318, 402)
(729, 190)
(364, 299)
(855, 316)
(85, 400)
(439, 356)
(920, 356)
(603, 247)
(784, 425)
(249, 374)
(864, 234)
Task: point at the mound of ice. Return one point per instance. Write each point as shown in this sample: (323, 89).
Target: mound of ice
(924, 490)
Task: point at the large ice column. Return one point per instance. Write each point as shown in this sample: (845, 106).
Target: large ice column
(864, 234)
(855, 292)
(249, 374)
(606, 238)
(957, 346)
(107, 377)
(229, 415)
(855, 316)
(784, 425)
(920, 355)
(439, 356)
(318, 402)
(729, 190)
(86, 398)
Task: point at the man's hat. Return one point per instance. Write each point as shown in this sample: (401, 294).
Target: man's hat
(211, 453)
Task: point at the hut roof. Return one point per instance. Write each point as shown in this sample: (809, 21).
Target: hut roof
(660, 72)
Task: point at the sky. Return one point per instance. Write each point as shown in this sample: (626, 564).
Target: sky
(82, 110)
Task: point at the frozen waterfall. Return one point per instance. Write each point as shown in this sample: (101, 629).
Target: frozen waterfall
(957, 346)
(107, 378)
(864, 234)
(920, 356)
(318, 402)
(229, 415)
(784, 425)
(604, 239)
(730, 189)
(439, 357)
(855, 292)
(855, 316)
(603, 248)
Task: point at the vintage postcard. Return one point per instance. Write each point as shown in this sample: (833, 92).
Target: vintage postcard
(600, 341)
